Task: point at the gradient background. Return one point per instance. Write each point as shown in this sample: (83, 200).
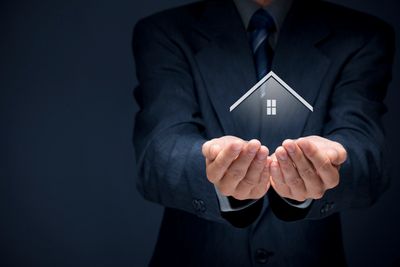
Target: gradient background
(67, 185)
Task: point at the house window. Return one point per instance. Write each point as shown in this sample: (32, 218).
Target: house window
(271, 106)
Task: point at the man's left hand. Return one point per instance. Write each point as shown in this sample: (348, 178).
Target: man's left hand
(305, 168)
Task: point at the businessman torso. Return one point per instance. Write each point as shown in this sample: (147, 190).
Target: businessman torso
(211, 52)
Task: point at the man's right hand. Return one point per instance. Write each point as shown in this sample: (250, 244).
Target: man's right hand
(237, 168)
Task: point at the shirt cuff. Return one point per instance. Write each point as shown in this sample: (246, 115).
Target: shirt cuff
(226, 204)
(301, 205)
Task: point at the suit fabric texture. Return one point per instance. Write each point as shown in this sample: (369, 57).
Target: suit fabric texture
(192, 63)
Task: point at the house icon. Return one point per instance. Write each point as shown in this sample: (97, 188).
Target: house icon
(271, 88)
(268, 110)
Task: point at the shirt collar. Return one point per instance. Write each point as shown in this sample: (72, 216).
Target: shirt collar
(278, 10)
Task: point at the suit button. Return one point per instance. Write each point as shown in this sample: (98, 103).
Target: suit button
(199, 205)
(263, 255)
(327, 207)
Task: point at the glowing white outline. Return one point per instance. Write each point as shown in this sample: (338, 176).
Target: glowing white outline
(279, 80)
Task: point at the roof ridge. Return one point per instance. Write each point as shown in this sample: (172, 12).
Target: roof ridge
(281, 82)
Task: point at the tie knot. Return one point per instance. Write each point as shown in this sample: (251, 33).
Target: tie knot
(260, 20)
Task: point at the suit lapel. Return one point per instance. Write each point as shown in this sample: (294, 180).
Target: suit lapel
(225, 62)
(298, 60)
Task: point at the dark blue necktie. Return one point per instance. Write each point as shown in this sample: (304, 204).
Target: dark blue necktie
(260, 28)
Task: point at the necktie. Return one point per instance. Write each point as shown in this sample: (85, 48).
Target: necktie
(260, 28)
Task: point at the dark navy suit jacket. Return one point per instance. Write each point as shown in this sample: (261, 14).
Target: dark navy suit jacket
(192, 63)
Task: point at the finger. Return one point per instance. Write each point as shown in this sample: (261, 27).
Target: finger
(205, 147)
(277, 180)
(290, 174)
(205, 151)
(253, 174)
(322, 164)
(341, 154)
(216, 169)
(215, 149)
(211, 149)
(264, 182)
(313, 183)
(332, 155)
(238, 169)
(257, 166)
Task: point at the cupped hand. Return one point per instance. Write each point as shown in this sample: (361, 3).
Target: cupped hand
(307, 167)
(237, 168)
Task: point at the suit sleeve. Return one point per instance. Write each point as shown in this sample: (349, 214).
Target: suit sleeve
(169, 131)
(354, 120)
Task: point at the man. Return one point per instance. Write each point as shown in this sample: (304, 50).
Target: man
(228, 201)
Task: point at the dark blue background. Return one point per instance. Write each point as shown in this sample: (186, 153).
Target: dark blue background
(67, 188)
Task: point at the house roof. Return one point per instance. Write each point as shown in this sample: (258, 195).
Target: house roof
(281, 82)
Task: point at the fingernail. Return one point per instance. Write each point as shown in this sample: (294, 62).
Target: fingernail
(237, 147)
(261, 156)
(290, 148)
(252, 150)
(282, 156)
(215, 148)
